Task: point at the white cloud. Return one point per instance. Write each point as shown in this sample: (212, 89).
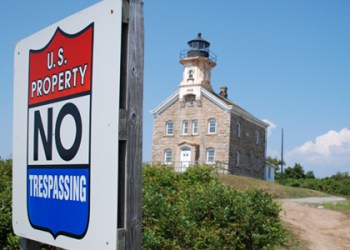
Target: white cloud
(271, 127)
(329, 152)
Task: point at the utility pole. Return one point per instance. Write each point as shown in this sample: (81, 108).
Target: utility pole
(282, 162)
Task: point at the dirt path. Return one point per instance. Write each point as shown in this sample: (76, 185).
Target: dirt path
(319, 227)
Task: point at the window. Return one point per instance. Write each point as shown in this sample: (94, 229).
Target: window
(212, 126)
(169, 128)
(210, 155)
(237, 158)
(247, 161)
(168, 156)
(257, 162)
(190, 74)
(238, 129)
(195, 127)
(257, 137)
(190, 99)
(185, 127)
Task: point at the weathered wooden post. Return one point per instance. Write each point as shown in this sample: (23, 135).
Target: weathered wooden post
(130, 133)
(78, 104)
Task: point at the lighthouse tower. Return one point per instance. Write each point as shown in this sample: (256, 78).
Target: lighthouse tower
(198, 62)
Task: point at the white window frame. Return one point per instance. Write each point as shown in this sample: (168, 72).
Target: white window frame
(185, 127)
(169, 130)
(168, 156)
(195, 127)
(210, 155)
(212, 125)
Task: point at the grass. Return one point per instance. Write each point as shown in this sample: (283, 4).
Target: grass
(341, 206)
(276, 190)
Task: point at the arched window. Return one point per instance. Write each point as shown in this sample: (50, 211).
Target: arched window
(237, 158)
(190, 99)
(211, 126)
(168, 156)
(185, 127)
(238, 129)
(169, 128)
(195, 127)
(190, 73)
(210, 155)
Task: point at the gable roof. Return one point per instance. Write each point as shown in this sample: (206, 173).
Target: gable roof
(230, 106)
(220, 101)
(166, 103)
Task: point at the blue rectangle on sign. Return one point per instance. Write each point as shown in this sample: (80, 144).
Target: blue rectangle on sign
(58, 200)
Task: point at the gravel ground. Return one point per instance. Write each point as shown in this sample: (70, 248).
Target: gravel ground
(317, 199)
(322, 229)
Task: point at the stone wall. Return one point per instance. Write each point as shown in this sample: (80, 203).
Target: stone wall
(251, 151)
(202, 110)
(225, 141)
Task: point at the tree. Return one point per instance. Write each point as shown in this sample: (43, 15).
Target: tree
(340, 176)
(296, 172)
(309, 175)
(273, 161)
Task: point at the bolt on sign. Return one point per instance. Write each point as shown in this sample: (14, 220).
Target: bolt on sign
(65, 155)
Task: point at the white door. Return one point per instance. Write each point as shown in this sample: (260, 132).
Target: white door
(185, 158)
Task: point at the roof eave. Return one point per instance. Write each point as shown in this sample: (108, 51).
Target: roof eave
(165, 104)
(233, 109)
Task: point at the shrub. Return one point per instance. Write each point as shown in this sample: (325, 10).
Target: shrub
(333, 185)
(193, 210)
(7, 239)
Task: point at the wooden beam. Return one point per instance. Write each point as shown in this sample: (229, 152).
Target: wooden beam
(27, 244)
(133, 24)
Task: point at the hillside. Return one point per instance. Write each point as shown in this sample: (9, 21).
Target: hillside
(276, 190)
(311, 226)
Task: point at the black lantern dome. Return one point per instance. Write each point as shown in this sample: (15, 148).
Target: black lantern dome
(198, 47)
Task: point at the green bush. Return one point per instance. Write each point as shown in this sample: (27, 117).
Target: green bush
(7, 239)
(338, 184)
(193, 210)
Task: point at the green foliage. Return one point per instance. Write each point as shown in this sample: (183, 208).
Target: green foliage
(309, 175)
(343, 206)
(338, 184)
(274, 161)
(193, 210)
(296, 172)
(7, 238)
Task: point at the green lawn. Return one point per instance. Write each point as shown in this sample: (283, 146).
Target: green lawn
(341, 206)
(276, 190)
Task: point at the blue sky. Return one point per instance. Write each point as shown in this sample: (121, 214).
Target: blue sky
(287, 62)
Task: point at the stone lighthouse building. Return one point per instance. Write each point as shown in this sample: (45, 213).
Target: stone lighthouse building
(197, 125)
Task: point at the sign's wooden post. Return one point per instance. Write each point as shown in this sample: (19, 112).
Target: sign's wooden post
(130, 133)
(26, 244)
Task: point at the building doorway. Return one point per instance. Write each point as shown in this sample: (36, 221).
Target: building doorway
(185, 158)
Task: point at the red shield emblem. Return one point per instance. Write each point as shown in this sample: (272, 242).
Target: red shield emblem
(59, 118)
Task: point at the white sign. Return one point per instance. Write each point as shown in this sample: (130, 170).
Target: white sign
(65, 139)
